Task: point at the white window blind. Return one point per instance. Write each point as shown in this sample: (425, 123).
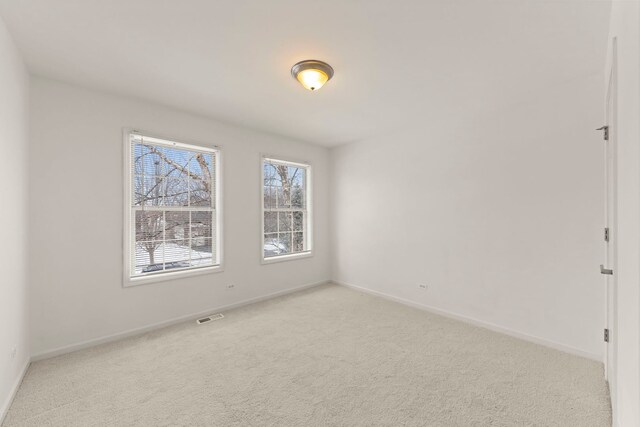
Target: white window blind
(286, 214)
(173, 220)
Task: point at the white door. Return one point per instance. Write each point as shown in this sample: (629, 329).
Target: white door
(610, 266)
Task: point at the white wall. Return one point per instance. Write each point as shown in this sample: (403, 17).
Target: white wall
(14, 325)
(76, 232)
(502, 217)
(625, 23)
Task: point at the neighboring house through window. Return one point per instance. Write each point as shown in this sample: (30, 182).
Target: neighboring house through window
(173, 208)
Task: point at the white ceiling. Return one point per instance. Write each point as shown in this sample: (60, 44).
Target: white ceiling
(397, 63)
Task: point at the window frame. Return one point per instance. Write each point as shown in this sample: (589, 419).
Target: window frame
(128, 229)
(309, 208)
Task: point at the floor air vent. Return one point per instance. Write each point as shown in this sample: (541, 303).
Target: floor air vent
(208, 319)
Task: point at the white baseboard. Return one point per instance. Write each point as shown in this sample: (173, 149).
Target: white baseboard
(476, 322)
(4, 409)
(138, 331)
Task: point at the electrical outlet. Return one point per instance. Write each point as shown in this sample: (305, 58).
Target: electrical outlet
(231, 286)
(14, 350)
(423, 286)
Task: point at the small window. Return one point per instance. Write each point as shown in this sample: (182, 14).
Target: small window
(173, 207)
(286, 213)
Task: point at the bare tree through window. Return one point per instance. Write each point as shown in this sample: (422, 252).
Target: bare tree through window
(285, 208)
(173, 206)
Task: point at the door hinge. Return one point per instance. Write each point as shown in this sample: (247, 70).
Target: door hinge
(606, 234)
(607, 271)
(606, 132)
(606, 335)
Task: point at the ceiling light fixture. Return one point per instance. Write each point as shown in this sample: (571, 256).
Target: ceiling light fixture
(312, 74)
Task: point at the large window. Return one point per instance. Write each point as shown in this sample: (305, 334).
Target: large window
(172, 208)
(286, 209)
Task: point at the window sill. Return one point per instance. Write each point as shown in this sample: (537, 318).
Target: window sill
(143, 280)
(290, 257)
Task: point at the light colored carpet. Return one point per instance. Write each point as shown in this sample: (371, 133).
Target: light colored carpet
(327, 356)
